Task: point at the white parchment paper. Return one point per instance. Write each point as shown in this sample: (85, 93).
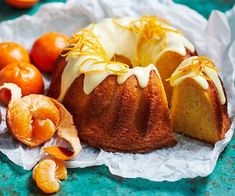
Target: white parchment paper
(189, 158)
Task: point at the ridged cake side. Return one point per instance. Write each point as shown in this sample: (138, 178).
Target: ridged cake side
(124, 118)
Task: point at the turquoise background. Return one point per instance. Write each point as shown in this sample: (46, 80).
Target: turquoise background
(98, 180)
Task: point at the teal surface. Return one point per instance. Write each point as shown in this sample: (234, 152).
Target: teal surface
(204, 7)
(98, 180)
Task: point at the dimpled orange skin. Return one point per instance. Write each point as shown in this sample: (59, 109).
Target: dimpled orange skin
(46, 49)
(11, 52)
(25, 75)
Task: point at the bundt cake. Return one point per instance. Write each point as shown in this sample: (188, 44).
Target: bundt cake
(199, 106)
(137, 42)
(108, 79)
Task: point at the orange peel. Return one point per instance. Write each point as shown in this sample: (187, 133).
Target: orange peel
(9, 91)
(68, 132)
(48, 173)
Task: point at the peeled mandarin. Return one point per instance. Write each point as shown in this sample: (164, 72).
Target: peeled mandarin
(33, 119)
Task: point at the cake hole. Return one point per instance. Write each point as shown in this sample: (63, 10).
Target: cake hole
(122, 59)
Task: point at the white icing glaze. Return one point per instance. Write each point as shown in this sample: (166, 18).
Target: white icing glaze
(210, 73)
(92, 80)
(117, 40)
(151, 52)
(141, 73)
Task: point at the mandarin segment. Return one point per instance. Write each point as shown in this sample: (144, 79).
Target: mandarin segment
(47, 174)
(45, 129)
(20, 119)
(45, 109)
(61, 171)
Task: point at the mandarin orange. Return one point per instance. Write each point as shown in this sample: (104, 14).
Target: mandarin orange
(46, 49)
(11, 52)
(25, 75)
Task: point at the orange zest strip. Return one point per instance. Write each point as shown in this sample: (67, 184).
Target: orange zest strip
(88, 59)
(85, 43)
(149, 26)
(197, 66)
(91, 71)
(66, 131)
(9, 92)
(123, 68)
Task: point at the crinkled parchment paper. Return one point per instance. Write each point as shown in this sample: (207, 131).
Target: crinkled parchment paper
(189, 158)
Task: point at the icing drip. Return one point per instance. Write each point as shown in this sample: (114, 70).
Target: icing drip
(141, 73)
(200, 69)
(141, 40)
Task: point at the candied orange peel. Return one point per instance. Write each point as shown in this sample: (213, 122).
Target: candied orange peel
(48, 173)
(35, 119)
(150, 27)
(197, 66)
(122, 68)
(85, 43)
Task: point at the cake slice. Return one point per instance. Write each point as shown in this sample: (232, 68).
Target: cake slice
(199, 105)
